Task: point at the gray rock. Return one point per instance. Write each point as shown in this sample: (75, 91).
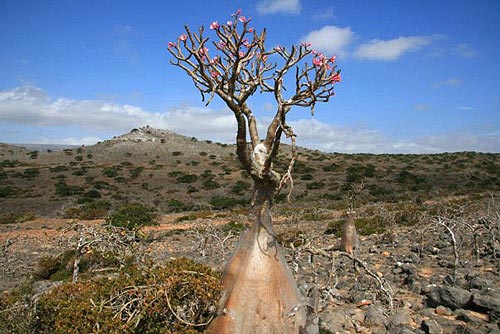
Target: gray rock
(400, 318)
(431, 326)
(464, 315)
(486, 302)
(452, 297)
(374, 316)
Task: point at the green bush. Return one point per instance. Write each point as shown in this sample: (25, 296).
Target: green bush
(210, 184)
(89, 210)
(240, 187)
(62, 189)
(187, 178)
(106, 305)
(6, 191)
(177, 206)
(30, 173)
(9, 163)
(133, 216)
(16, 218)
(222, 203)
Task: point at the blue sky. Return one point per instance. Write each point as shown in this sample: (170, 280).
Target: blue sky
(418, 76)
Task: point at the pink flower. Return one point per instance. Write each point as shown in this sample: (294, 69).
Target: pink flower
(221, 45)
(278, 48)
(332, 59)
(318, 61)
(245, 43)
(238, 12)
(264, 58)
(242, 19)
(250, 30)
(306, 44)
(214, 25)
(215, 60)
(183, 37)
(214, 74)
(171, 45)
(229, 23)
(241, 54)
(336, 77)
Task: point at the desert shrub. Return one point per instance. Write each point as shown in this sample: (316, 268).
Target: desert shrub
(110, 172)
(176, 153)
(30, 173)
(16, 310)
(335, 227)
(221, 202)
(175, 173)
(135, 172)
(315, 185)
(369, 226)
(187, 178)
(89, 210)
(177, 206)
(192, 189)
(210, 184)
(331, 167)
(3, 175)
(234, 226)
(79, 158)
(306, 177)
(58, 169)
(80, 171)
(56, 268)
(302, 168)
(33, 154)
(9, 163)
(240, 187)
(6, 191)
(182, 285)
(16, 218)
(63, 189)
(133, 216)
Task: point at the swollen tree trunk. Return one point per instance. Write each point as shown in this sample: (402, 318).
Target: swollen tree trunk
(260, 294)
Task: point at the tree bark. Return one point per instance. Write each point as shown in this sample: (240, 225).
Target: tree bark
(260, 294)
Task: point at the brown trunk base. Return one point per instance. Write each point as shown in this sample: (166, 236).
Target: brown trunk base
(260, 293)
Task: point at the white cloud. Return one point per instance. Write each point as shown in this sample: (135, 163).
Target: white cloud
(30, 106)
(390, 49)
(465, 50)
(466, 108)
(330, 40)
(422, 107)
(452, 82)
(278, 6)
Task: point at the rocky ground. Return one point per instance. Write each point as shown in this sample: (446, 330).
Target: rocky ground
(402, 281)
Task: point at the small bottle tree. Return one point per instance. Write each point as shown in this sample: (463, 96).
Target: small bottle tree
(260, 295)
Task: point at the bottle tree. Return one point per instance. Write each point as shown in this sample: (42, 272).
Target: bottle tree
(259, 293)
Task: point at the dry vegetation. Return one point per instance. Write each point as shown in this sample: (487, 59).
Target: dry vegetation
(428, 261)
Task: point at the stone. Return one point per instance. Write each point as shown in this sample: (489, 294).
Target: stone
(441, 310)
(400, 318)
(486, 302)
(431, 326)
(374, 316)
(452, 297)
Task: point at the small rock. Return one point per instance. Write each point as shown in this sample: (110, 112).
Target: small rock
(374, 316)
(486, 302)
(441, 310)
(452, 297)
(466, 316)
(400, 318)
(386, 254)
(431, 326)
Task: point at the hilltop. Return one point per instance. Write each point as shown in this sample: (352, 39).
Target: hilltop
(172, 172)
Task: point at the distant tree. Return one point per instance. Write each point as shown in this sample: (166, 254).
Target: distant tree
(260, 294)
